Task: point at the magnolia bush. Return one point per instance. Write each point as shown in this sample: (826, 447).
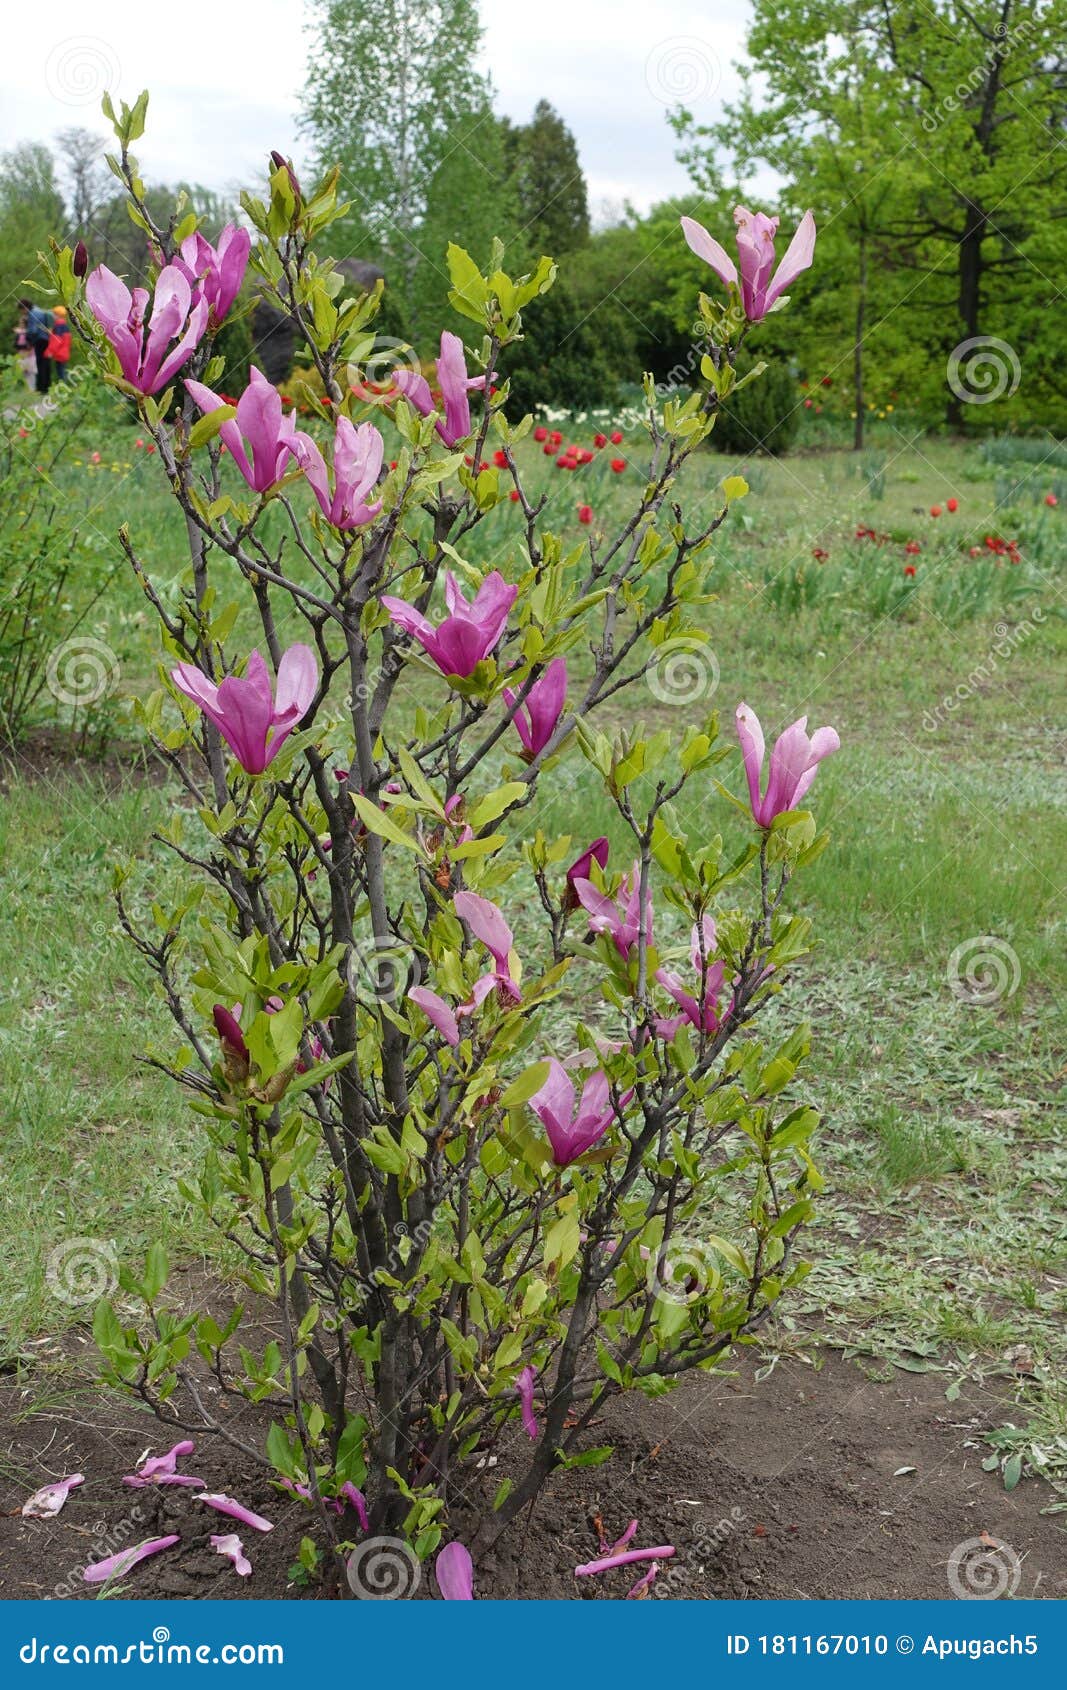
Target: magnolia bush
(485, 1182)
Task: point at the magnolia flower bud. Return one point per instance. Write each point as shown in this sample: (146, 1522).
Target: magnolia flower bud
(280, 162)
(235, 1058)
(81, 259)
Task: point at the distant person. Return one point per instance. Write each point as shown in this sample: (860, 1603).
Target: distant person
(58, 349)
(23, 349)
(38, 333)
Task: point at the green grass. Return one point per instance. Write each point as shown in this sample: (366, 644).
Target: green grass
(940, 1243)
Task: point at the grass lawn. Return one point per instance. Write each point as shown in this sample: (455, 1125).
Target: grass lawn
(941, 1242)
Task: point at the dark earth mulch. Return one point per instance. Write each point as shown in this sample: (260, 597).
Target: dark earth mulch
(786, 1486)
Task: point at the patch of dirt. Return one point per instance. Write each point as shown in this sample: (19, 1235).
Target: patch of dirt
(790, 1485)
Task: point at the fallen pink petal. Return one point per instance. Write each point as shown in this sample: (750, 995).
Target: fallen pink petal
(231, 1546)
(227, 1505)
(631, 1556)
(46, 1502)
(454, 1572)
(114, 1565)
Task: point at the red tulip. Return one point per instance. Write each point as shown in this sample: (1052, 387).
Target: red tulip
(540, 433)
(618, 465)
(1051, 499)
(909, 569)
(616, 439)
(952, 505)
(935, 510)
(585, 513)
(600, 440)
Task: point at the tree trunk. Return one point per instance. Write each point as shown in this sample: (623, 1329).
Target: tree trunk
(969, 297)
(857, 352)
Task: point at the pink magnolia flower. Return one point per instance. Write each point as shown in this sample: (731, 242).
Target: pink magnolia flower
(469, 631)
(219, 270)
(357, 459)
(254, 723)
(572, 1132)
(260, 437)
(47, 1501)
(236, 1510)
(701, 1013)
(455, 384)
(98, 1572)
(794, 763)
(231, 1546)
(488, 925)
(755, 251)
(163, 1469)
(618, 916)
(537, 718)
(178, 315)
(524, 1384)
(454, 1571)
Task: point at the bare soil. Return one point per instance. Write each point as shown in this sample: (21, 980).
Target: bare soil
(806, 1479)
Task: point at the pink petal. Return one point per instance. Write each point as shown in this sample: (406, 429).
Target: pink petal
(226, 1505)
(100, 1571)
(486, 923)
(798, 257)
(753, 748)
(524, 1384)
(662, 1553)
(636, 1591)
(455, 1573)
(232, 1547)
(706, 247)
(437, 1011)
(46, 1502)
(354, 1495)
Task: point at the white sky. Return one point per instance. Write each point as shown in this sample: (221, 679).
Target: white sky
(225, 78)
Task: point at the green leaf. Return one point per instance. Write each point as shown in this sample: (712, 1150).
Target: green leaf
(562, 1239)
(156, 1272)
(522, 1089)
(381, 822)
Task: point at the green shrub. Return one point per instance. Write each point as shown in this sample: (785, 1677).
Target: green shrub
(762, 417)
(49, 580)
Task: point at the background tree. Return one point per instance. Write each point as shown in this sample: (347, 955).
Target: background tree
(928, 131)
(550, 187)
(31, 209)
(391, 92)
